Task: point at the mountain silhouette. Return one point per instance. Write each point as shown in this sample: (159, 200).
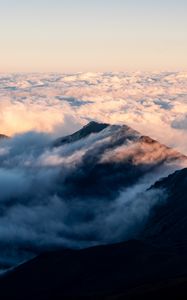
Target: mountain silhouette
(151, 265)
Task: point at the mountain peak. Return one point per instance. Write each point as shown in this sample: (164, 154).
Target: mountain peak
(91, 127)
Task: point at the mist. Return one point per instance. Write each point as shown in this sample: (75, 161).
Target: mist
(70, 196)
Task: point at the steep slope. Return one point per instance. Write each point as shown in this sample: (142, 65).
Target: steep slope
(150, 269)
(90, 190)
(168, 222)
(121, 271)
(116, 158)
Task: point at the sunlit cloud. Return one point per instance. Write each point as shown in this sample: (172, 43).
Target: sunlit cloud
(153, 103)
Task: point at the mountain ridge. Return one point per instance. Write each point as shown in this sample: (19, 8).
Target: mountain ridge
(126, 270)
(106, 175)
(91, 127)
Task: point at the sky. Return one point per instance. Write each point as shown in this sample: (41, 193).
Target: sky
(99, 35)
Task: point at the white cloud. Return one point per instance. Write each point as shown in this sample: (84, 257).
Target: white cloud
(57, 104)
(153, 103)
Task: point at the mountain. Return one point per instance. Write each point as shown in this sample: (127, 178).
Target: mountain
(106, 186)
(92, 127)
(136, 269)
(89, 190)
(168, 222)
(104, 272)
(114, 157)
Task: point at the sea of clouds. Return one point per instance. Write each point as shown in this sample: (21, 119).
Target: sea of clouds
(38, 210)
(152, 103)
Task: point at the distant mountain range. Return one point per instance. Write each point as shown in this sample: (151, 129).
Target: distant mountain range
(152, 264)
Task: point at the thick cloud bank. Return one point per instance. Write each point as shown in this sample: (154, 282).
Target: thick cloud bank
(83, 193)
(153, 103)
(93, 190)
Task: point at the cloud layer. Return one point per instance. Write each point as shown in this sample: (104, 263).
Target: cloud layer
(91, 191)
(153, 103)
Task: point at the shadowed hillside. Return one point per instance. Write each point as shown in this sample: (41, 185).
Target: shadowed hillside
(152, 266)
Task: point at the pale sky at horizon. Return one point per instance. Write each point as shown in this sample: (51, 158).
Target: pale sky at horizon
(84, 35)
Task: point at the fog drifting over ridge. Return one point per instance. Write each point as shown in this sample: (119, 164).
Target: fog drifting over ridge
(153, 103)
(46, 193)
(71, 195)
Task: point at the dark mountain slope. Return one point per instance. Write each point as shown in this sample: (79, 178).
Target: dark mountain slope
(96, 273)
(83, 190)
(147, 269)
(80, 205)
(116, 160)
(168, 222)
